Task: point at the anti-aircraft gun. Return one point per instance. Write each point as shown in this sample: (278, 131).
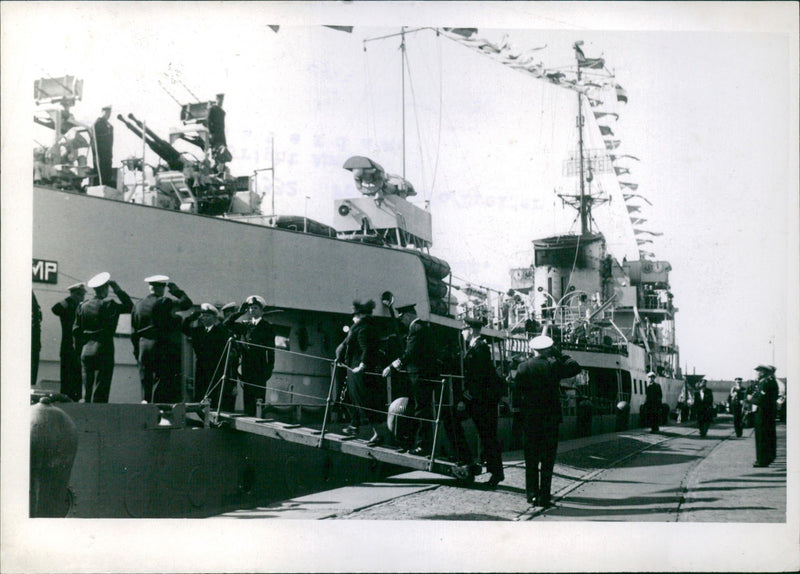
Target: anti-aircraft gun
(189, 183)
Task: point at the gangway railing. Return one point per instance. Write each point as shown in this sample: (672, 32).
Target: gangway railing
(220, 380)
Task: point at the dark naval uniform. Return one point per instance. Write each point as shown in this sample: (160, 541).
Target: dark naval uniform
(765, 400)
(95, 324)
(419, 360)
(366, 388)
(104, 138)
(36, 337)
(69, 355)
(538, 384)
(156, 342)
(652, 404)
(481, 392)
(208, 345)
(216, 126)
(704, 404)
(257, 351)
(735, 402)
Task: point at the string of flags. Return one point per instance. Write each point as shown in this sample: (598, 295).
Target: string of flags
(595, 85)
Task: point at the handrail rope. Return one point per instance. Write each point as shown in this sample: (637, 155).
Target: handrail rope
(278, 349)
(249, 344)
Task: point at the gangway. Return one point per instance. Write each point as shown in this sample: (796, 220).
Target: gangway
(326, 436)
(333, 441)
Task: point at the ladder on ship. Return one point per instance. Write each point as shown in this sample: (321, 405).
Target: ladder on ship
(336, 442)
(328, 438)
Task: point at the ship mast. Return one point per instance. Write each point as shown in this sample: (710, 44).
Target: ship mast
(585, 201)
(583, 164)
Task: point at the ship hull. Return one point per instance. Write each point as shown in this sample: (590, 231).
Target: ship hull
(134, 461)
(130, 465)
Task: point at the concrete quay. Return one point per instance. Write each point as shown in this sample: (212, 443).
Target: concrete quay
(670, 476)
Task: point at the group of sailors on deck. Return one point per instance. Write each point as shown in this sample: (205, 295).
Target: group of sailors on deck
(236, 340)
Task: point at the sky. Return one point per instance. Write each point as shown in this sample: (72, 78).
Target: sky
(710, 99)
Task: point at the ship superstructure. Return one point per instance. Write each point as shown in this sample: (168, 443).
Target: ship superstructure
(615, 315)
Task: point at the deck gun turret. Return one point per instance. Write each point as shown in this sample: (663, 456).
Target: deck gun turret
(162, 148)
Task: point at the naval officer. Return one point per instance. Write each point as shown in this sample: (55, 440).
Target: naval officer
(538, 383)
(736, 398)
(704, 404)
(69, 354)
(257, 349)
(104, 143)
(360, 352)
(156, 339)
(209, 339)
(95, 324)
(419, 360)
(764, 402)
(482, 391)
(652, 401)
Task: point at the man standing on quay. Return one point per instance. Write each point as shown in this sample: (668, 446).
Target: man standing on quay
(538, 383)
(735, 399)
(652, 401)
(764, 402)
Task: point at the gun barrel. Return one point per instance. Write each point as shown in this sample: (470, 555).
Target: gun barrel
(162, 149)
(130, 126)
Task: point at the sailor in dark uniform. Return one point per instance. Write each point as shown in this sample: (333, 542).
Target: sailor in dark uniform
(482, 390)
(36, 337)
(360, 352)
(652, 401)
(736, 398)
(156, 340)
(764, 402)
(95, 324)
(538, 383)
(104, 140)
(419, 360)
(216, 132)
(69, 355)
(209, 339)
(704, 405)
(257, 349)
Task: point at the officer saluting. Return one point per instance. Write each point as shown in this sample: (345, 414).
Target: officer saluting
(257, 350)
(95, 325)
(538, 384)
(156, 339)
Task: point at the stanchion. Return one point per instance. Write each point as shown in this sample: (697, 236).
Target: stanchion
(224, 374)
(328, 403)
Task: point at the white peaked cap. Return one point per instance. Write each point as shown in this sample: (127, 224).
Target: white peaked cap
(99, 280)
(541, 343)
(156, 279)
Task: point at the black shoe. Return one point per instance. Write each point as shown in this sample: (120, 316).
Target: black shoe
(495, 480)
(759, 465)
(546, 503)
(350, 430)
(532, 500)
(419, 451)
